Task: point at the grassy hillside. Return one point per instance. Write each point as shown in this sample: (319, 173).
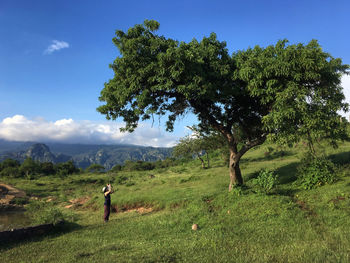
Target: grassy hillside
(156, 209)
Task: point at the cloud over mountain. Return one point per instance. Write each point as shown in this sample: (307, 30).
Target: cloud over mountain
(20, 128)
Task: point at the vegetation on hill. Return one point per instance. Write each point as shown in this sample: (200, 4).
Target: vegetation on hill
(272, 218)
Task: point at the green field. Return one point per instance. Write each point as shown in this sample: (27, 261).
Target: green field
(156, 209)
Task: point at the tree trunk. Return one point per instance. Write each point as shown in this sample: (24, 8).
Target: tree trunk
(202, 161)
(235, 171)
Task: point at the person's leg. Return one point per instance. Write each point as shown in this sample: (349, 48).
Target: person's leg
(106, 213)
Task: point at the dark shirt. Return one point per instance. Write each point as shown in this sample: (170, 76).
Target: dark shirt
(107, 200)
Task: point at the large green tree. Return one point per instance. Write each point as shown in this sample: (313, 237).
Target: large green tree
(284, 92)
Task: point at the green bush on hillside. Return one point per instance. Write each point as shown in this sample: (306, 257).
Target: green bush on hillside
(314, 172)
(266, 180)
(45, 213)
(10, 172)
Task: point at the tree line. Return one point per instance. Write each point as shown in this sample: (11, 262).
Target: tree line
(30, 168)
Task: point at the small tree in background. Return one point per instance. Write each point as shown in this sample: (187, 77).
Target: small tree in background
(29, 167)
(66, 168)
(47, 168)
(200, 143)
(191, 146)
(95, 168)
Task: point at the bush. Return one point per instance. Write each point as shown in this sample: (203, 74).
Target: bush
(314, 172)
(237, 190)
(138, 166)
(64, 169)
(266, 180)
(47, 168)
(120, 179)
(95, 168)
(19, 201)
(9, 163)
(10, 172)
(45, 213)
(116, 168)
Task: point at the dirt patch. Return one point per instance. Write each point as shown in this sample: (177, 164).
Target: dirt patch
(337, 199)
(129, 209)
(303, 206)
(8, 193)
(74, 203)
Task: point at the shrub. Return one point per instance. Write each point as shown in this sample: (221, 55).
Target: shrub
(116, 168)
(266, 180)
(314, 172)
(9, 163)
(47, 168)
(19, 201)
(95, 168)
(64, 169)
(237, 190)
(120, 179)
(10, 172)
(45, 213)
(138, 166)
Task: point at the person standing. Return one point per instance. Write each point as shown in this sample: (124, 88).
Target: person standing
(107, 191)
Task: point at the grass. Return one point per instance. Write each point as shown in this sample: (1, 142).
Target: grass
(287, 225)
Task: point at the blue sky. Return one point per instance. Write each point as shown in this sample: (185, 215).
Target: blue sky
(54, 55)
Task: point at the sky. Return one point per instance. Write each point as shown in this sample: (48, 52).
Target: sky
(55, 56)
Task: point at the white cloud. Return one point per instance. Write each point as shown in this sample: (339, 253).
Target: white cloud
(55, 46)
(20, 128)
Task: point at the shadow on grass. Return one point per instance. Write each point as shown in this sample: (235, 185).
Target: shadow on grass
(268, 157)
(340, 158)
(37, 192)
(287, 174)
(58, 230)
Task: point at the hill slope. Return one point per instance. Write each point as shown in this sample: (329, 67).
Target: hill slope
(155, 214)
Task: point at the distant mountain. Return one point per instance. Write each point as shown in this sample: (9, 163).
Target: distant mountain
(6, 146)
(82, 155)
(38, 152)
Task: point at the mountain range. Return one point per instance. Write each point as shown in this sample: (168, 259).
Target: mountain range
(83, 155)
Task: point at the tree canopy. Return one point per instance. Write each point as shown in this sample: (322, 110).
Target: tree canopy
(283, 91)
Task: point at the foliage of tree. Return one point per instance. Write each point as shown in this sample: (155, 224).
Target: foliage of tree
(66, 168)
(10, 172)
(29, 167)
(9, 163)
(95, 168)
(138, 166)
(47, 168)
(284, 92)
(116, 168)
(168, 162)
(10, 168)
